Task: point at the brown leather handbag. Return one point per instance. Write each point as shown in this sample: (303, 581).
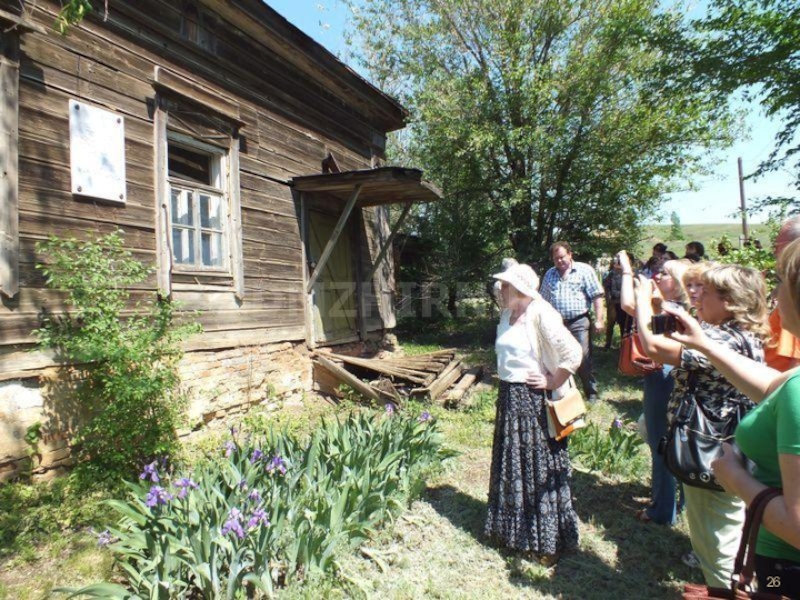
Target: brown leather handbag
(744, 567)
(566, 415)
(632, 359)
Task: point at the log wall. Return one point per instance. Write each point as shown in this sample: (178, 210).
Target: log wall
(296, 105)
(293, 113)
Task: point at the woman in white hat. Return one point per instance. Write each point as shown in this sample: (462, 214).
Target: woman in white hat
(530, 502)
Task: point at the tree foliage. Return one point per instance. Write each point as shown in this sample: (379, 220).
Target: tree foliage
(540, 119)
(675, 230)
(754, 45)
(72, 13)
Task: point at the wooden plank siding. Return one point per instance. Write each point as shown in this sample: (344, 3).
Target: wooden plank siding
(292, 113)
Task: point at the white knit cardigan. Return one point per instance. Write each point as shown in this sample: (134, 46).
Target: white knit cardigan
(557, 347)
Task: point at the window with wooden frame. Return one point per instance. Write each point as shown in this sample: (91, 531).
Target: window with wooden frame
(198, 207)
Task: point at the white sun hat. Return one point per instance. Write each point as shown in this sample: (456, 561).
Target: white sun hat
(523, 278)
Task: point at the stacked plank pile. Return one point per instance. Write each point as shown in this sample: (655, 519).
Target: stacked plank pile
(424, 376)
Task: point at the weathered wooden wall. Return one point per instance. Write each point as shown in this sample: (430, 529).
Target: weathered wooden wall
(293, 117)
(296, 105)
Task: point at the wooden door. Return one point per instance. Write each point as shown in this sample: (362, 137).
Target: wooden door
(334, 311)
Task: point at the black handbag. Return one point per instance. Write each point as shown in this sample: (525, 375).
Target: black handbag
(694, 440)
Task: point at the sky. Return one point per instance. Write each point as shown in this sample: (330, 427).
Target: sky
(716, 199)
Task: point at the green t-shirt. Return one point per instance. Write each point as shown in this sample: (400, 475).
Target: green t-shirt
(770, 429)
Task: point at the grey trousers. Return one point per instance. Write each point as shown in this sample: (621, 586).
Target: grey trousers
(583, 331)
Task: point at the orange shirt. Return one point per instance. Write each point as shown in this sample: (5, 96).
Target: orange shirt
(785, 352)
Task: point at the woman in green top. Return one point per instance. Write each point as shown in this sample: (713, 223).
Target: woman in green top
(769, 435)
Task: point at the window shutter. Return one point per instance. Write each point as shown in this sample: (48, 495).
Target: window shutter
(237, 258)
(163, 250)
(9, 160)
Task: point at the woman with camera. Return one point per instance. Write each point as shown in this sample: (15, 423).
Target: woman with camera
(733, 309)
(666, 275)
(769, 435)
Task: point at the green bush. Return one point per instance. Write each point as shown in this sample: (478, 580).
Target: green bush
(612, 452)
(128, 362)
(268, 508)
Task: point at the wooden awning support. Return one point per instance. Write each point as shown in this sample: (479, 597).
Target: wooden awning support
(337, 231)
(388, 243)
(367, 187)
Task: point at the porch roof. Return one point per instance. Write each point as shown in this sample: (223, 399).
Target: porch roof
(384, 185)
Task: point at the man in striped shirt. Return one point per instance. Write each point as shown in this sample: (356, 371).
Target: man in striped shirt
(573, 289)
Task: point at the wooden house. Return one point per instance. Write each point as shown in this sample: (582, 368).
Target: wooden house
(242, 160)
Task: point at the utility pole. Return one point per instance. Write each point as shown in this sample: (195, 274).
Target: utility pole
(745, 229)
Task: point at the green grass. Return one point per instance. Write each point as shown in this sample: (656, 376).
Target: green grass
(708, 234)
(436, 548)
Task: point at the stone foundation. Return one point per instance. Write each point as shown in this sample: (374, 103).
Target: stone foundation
(219, 384)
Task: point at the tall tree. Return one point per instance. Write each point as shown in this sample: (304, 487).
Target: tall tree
(554, 115)
(675, 230)
(754, 46)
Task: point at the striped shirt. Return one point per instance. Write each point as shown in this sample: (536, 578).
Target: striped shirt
(573, 294)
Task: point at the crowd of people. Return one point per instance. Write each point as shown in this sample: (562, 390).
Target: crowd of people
(733, 349)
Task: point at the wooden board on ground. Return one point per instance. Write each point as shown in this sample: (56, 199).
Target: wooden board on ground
(444, 380)
(345, 377)
(425, 375)
(459, 390)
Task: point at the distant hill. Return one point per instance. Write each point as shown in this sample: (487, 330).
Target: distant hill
(707, 234)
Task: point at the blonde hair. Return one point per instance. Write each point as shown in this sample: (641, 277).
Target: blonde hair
(789, 271)
(677, 269)
(745, 295)
(694, 272)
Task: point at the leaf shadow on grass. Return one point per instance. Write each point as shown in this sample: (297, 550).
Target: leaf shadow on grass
(646, 553)
(462, 510)
(643, 557)
(580, 574)
(627, 408)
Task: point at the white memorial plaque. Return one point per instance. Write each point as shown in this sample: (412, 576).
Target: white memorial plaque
(97, 152)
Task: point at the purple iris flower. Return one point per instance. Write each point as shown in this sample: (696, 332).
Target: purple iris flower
(234, 524)
(229, 448)
(389, 409)
(425, 416)
(255, 496)
(150, 472)
(617, 424)
(158, 495)
(256, 456)
(186, 485)
(276, 464)
(104, 539)
(259, 517)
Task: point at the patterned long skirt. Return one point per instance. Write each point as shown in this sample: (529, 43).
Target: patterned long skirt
(530, 502)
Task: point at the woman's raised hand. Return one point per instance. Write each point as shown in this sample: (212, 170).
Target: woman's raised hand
(624, 262)
(689, 332)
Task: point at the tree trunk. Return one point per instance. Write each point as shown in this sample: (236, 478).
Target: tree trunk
(451, 300)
